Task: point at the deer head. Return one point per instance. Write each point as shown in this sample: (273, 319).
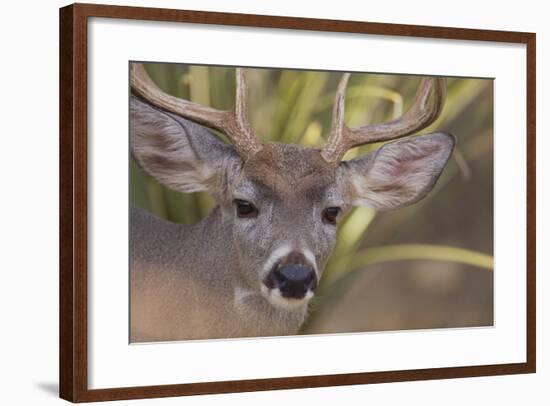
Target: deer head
(282, 202)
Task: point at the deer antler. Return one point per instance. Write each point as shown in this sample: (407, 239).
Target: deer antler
(233, 123)
(421, 114)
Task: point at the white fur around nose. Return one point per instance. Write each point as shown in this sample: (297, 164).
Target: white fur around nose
(276, 298)
(275, 256)
(311, 259)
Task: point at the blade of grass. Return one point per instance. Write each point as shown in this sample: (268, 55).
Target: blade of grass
(399, 252)
(311, 87)
(409, 252)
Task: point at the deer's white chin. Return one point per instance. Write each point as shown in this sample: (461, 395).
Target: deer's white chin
(275, 298)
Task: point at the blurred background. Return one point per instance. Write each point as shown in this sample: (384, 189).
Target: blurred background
(429, 265)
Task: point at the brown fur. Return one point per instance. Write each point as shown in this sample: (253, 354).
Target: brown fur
(289, 171)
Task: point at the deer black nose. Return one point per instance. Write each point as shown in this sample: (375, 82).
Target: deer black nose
(294, 280)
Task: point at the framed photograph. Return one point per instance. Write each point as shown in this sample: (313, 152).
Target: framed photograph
(255, 202)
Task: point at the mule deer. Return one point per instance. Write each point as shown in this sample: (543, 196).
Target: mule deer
(250, 268)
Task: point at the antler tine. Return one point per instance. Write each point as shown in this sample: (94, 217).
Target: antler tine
(248, 142)
(233, 123)
(334, 150)
(423, 112)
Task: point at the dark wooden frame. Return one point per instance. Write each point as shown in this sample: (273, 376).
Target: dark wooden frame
(73, 201)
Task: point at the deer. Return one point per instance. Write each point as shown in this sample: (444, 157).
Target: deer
(251, 267)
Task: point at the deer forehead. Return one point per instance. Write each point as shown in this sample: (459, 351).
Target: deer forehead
(290, 171)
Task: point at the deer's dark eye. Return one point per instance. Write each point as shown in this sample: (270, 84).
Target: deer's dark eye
(330, 215)
(245, 209)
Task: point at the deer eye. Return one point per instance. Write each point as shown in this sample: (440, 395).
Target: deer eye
(245, 209)
(330, 214)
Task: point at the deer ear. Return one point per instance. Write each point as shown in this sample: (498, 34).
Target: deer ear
(178, 153)
(399, 173)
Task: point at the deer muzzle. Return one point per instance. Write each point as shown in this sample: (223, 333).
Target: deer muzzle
(293, 276)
